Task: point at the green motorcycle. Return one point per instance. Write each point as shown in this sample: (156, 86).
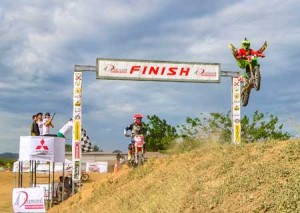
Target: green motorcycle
(251, 77)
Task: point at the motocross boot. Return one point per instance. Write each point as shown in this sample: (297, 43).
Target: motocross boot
(129, 155)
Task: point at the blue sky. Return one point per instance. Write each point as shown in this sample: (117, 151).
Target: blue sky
(41, 41)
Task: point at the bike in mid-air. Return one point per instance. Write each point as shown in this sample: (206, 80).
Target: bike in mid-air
(251, 76)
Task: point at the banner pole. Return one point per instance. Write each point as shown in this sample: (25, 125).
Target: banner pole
(76, 136)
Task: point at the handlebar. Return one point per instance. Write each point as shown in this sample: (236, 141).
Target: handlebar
(247, 57)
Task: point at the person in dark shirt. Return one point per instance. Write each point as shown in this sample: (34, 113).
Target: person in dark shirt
(34, 127)
(136, 128)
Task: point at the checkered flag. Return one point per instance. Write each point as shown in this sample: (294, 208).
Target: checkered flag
(86, 145)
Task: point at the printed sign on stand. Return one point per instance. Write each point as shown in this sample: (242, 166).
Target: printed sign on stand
(28, 200)
(42, 148)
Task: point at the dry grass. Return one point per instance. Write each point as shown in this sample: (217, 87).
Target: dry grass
(261, 177)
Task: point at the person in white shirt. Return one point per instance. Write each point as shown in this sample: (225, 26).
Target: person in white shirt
(47, 124)
(40, 122)
(65, 129)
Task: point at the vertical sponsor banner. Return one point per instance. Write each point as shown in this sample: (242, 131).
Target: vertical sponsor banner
(236, 111)
(76, 136)
(28, 200)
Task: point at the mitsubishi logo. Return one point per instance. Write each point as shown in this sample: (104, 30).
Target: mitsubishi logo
(42, 146)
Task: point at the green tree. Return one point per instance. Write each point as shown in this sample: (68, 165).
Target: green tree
(161, 134)
(262, 128)
(218, 128)
(96, 148)
(68, 147)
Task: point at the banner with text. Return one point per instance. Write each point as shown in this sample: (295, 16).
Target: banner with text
(28, 200)
(42, 148)
(145, 70)
(76, 136)
(236, 110)
(96, 167)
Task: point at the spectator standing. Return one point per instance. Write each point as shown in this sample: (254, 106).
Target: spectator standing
(62, 191)
(34, 127)
(47, 124)
(40, 122)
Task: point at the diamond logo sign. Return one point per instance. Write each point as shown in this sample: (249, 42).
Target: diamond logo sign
(42, 146)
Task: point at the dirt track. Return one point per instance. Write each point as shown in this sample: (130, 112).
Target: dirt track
(7, 181)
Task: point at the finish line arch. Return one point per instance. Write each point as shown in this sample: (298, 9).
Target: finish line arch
(149, 70)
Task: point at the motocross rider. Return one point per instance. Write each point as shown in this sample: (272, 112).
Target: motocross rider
(243, 52)
(136, 128)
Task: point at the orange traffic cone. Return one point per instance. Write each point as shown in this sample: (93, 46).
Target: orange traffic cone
(116, 168)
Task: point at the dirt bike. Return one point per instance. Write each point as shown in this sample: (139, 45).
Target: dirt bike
(252, 75)
(137, 151)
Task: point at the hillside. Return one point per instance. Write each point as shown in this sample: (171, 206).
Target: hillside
(260, 177)
(9, 155)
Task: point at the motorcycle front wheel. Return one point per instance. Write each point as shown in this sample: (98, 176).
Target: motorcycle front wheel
(140, 159)
(257, 78)
(245, 95)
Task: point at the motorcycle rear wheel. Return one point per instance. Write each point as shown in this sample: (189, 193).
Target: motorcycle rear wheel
(84, 177)
(245, 95)
(257, 78)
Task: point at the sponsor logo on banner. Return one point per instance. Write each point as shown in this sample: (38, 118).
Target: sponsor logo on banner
(77, 150)
(112, 69)
(28, 200)
(236, 83)
(77, 96)
(77, 116)
(77, 77)
(77, 103)
(202, 72)
(77, 109)
(237, 137)
(42, 146)
(77, 90)
(236, 114)
(236, 96)
(76, 170)
(236, 108)
(77, 129)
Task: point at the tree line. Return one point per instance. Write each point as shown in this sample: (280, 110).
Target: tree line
(213, 127)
